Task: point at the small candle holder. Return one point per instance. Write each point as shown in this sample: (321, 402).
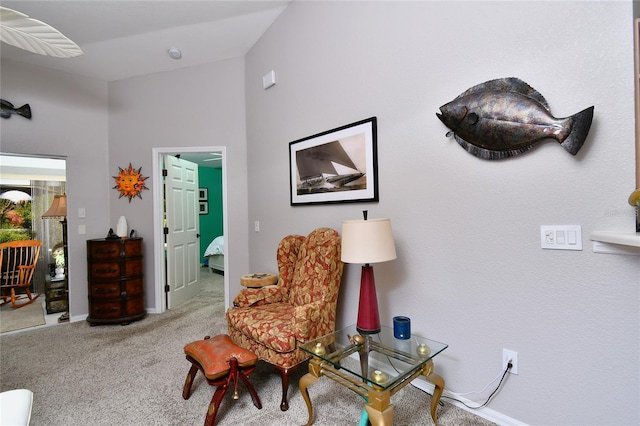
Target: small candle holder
(423, 350)
(318, 349)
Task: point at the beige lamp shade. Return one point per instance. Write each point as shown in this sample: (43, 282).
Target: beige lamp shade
(367, 241)
(58, 207)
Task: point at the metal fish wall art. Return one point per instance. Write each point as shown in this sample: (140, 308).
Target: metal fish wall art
(7, 108)
(506, 117)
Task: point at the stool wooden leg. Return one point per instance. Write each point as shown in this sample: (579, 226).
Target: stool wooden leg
(186, 390)
(210, 420)
(252, 390)
(221, 390)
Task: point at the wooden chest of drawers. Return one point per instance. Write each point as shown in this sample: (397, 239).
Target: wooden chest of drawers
(115, 275)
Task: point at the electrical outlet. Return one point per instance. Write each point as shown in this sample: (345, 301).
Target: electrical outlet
(508, 355)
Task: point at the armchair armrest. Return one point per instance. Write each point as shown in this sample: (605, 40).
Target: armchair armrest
(309, 322)
(258, 296)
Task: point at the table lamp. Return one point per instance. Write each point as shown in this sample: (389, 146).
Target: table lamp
(58, 209)
(367, 241)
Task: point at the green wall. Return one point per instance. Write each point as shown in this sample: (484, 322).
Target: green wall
(211, 223)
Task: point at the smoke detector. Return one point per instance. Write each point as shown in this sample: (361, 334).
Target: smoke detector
(175, 53)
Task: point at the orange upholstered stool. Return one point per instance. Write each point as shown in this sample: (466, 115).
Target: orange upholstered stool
(221, 362)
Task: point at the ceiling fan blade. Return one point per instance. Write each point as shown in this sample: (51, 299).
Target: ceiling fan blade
(217, 156)
(18, 30)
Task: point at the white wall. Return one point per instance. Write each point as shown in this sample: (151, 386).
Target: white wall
(470, 271)
(100, 127)
(69, 119)
(198, 106)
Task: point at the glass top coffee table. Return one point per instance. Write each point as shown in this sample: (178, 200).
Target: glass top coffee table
(395, 363)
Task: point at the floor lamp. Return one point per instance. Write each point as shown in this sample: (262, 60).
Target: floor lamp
(58, 209)
(367, 241)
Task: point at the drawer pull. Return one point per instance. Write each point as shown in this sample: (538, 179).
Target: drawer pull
(106, 250)
(105, 270)
(106, 311)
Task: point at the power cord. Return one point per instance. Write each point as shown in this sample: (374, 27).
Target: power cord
(504, 374)
(481, 391)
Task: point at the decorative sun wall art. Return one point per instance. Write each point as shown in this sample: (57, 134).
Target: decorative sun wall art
(130, 182)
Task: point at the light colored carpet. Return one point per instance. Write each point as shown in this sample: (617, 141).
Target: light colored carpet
(28, 316)
(133, 375)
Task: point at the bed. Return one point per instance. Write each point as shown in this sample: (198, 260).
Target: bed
(215, 254)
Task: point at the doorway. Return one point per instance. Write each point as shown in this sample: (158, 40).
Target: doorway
(211, 156)
(29, 184)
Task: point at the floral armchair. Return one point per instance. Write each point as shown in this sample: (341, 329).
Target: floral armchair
(273, 321)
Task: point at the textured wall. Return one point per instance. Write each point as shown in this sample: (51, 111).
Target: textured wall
(69, 120)
(201, 106)
(470, 271)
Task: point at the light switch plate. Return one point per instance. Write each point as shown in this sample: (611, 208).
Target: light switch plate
(561, 237)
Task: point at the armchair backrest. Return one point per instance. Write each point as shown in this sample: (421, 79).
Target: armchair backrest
(18, 262)
(318, 269)
(287, 257)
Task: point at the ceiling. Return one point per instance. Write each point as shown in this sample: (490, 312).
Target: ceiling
(124, 39)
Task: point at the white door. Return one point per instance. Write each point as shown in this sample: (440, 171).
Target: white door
(183, 228)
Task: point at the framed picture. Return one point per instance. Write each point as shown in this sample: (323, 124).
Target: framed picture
(203, 194)
(204, 207)
(336, 166)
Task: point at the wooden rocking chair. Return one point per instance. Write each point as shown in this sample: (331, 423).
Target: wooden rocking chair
(18, 262)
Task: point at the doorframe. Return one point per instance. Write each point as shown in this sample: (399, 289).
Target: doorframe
(158, 198)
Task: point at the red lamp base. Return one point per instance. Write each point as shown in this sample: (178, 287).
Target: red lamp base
(368, 317)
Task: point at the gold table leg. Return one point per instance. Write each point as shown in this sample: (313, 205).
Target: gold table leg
(379, 407)
(438, 382)
(307, 380)
(437, 393)
(380, 418)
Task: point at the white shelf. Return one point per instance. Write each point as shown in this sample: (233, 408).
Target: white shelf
(622, 238)
(616, 242)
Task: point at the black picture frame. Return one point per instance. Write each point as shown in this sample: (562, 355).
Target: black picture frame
(336, 166)
(203, 194)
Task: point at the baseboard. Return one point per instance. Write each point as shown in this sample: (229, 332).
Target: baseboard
(83, 317)
(76, 318)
